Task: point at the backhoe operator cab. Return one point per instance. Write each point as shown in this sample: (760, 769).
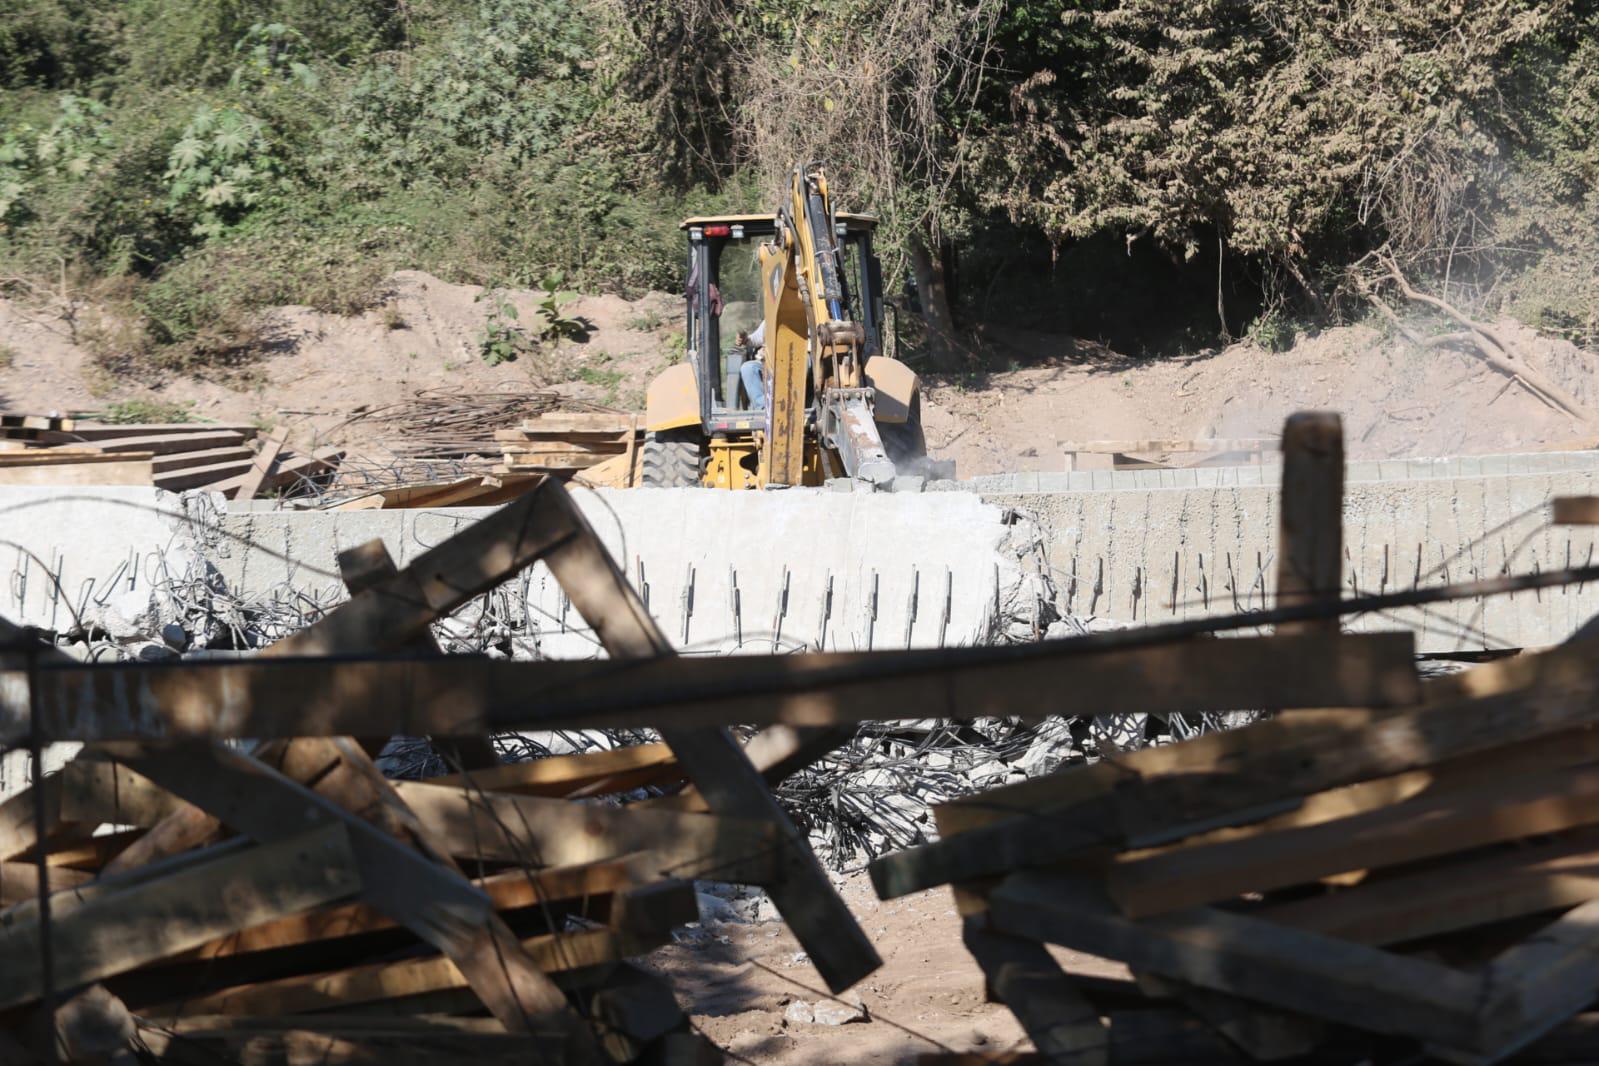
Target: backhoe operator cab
(703, 429)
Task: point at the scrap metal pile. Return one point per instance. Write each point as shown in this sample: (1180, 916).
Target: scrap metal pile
(1408, 873)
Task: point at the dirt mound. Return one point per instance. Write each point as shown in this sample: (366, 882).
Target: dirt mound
(1396, 401)
(426, 334)
(319, 368)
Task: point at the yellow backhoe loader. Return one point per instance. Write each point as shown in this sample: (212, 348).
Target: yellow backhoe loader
(798, 292)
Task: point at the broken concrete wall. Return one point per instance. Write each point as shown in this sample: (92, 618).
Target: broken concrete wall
(721, 572)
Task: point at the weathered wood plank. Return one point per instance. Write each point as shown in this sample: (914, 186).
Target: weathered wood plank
(261, 464)
(1319, 976)
(456, 695)
(711, 759)
(1432, 824)
(1233, 778)
(1310, 538)
(121, 929)
(1063, 1026)
(553, 953)
(560, 775)
(1461, 894)
(538, 831)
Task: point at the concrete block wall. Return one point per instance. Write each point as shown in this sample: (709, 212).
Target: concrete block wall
(1164, 554)
(720, 572)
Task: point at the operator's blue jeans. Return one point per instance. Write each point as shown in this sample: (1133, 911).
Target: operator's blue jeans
(754, 387)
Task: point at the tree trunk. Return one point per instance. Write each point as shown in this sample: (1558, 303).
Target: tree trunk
(934, 296)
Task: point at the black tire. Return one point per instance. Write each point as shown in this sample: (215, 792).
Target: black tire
(671, 459)
(904, 442)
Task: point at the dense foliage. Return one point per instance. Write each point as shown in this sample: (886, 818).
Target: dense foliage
(202, 158)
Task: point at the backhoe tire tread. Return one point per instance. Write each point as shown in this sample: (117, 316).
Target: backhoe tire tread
(671, 460)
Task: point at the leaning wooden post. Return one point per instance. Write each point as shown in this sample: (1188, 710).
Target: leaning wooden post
(1310, 543)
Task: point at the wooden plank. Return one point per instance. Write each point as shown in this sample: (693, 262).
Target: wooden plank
(91, 431)
(19, 420)
(318, 1046)
(20, 880)
(1429, 825)
(168, 444)
(118, 931)
(367, 566)
(101, 792)
(571, 422)
(451, 697)
(1346, 983)
(1310, 540)
(508, 891)
(262, 464)
(561, 775)
(1574, 510)
(87, 470)
(19, 816)
(289, 469)
(201, 476)
(166, 464)
(553, 953)
(1263, 1034)
(712, 760)
(1238, 777)
(1062, 1025)
(1541, 982)
(537, 831)
(1460, 894)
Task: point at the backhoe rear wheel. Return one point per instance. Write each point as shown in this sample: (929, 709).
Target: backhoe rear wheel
(672, 458)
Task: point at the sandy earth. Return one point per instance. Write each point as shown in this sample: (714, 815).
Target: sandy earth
(321, 368)
(738, 981)
(1396, 401)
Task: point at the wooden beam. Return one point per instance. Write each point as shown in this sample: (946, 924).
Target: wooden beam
(1310, 540)
(80, 470)
(1461, 894)
(1346, 983)
(458, 695)
(430, 898)
(537, 831)
(1574, 511)
(1236, 777)
(20, 880)
(553, 953)
(105, 793)
(261, 464)
(1432, 824)
(712, 760)
(1541, 982)
(619, 769)
(120, 930)
(1063, 1026)
(509, 891)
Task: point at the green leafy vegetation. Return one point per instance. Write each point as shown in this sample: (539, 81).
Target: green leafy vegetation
(128, 412)
(1227, 163)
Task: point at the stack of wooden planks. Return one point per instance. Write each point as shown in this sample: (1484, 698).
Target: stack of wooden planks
(286, 902)
(1410, 883)
(52, 450)
(601, 447)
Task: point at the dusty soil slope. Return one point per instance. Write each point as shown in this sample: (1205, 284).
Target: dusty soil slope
(1396, 401)
(321, 368)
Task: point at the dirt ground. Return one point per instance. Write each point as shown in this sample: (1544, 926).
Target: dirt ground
(321, 368)
(738, 980)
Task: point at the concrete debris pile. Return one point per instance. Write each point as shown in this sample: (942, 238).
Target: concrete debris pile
(52, 450)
